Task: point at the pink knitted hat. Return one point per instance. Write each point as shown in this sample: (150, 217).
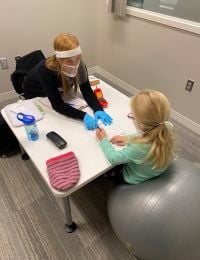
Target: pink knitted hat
(63, 171)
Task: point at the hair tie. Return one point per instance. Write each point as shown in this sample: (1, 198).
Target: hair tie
(167, 123)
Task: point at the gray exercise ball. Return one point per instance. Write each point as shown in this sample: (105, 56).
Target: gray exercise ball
(160, 218)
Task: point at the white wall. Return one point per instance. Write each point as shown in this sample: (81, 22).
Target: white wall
(29, 25)
(149, 55)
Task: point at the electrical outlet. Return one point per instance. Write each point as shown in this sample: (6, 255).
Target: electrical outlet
(4, 63)
(189, 85)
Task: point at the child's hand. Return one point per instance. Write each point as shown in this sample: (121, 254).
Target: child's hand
(119, 140)
(100, 134)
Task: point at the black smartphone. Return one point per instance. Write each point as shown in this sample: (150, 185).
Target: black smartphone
(56, 139)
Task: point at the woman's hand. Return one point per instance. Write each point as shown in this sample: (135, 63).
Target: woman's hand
(119, 140)
(90, 122)
(100, 134)
(104, 117)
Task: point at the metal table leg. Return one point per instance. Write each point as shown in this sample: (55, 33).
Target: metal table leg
(70, 226)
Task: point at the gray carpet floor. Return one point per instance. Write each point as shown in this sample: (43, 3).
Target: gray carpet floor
(31, 219)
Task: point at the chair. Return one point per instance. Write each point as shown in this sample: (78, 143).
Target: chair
(23, 65)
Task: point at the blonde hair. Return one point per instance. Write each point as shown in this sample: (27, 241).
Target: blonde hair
(151, 110)
(63, 42)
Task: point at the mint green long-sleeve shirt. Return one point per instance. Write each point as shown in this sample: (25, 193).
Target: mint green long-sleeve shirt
(134, 171)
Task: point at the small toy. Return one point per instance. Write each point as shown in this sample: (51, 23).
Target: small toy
(93, 81)
(99, 95)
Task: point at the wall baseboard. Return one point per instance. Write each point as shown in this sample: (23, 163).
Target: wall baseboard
(8, 95)
(122, 84)
(93, 70)
(193, 126)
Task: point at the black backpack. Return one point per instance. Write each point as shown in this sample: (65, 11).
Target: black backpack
(23, 65)
(8, 142)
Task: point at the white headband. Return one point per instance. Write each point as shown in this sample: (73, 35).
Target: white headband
(68, 54)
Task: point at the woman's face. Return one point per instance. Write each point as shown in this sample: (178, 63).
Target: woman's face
(69, 66)
(73, 61)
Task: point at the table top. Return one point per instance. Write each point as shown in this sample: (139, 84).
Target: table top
(92, 161)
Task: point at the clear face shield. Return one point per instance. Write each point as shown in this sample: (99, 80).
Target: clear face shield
(70, 61)
(70, 66)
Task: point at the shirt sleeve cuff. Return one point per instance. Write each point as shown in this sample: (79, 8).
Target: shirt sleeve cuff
(105, 142)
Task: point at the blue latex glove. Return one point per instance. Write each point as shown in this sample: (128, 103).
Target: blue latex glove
(104, 117)
(90, 122)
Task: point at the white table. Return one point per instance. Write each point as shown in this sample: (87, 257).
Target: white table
(90, 156)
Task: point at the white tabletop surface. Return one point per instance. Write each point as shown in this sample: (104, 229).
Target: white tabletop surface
(91, 159)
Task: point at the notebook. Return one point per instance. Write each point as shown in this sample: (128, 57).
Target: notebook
(27, 107)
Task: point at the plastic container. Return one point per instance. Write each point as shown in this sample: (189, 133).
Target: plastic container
(99, 95)
(30, 126)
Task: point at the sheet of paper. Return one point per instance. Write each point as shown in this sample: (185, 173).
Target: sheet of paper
(111, 130)
(77, 102)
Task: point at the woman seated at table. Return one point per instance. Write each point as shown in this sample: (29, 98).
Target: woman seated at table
(59, 77)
